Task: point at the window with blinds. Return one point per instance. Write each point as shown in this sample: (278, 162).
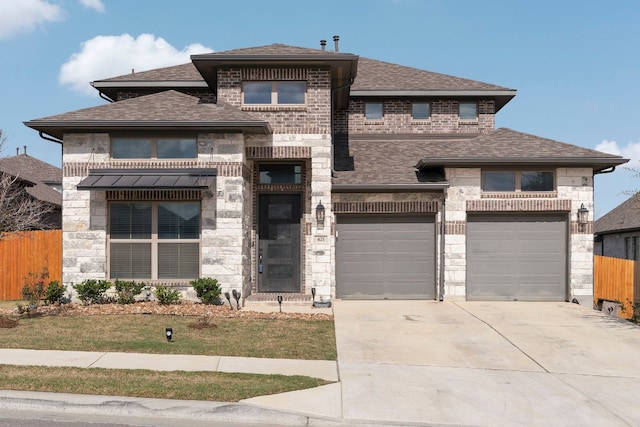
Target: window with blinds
(154, 240)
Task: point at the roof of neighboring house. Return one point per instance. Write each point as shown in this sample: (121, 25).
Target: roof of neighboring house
(167, 110)
(37, 173)
(625, 216)
(377, 159)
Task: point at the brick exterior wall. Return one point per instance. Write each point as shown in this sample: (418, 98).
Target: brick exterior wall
(397, 119)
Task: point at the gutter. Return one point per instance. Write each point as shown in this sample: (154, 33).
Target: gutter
(48, 138)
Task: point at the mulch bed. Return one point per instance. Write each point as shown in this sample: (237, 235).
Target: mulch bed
(183, 309)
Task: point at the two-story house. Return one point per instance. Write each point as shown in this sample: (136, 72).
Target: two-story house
(278, 169)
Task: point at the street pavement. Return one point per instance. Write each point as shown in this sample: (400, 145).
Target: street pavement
(416, 363)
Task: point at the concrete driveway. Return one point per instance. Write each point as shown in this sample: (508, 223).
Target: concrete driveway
(486, 364)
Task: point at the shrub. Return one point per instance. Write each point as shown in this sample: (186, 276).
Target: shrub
(34, 287)
(208, 290)
(126, 291)
(92, 291)
(55, 292)
(167, 295)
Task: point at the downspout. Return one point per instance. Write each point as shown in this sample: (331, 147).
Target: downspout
(105, 97)
(443, 228)
(611, 169)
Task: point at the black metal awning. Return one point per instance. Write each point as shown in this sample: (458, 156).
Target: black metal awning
(138, 179)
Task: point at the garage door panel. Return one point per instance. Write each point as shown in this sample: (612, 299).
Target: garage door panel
(516, 257)
(395, 257)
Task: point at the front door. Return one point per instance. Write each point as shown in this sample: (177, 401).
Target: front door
(279, 242)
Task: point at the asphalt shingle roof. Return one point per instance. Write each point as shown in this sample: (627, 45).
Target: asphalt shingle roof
(163, 106)
(37, 172)
(392, 159)
(625, 216)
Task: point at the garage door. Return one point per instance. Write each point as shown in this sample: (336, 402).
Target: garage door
(380, 257)
(517, 257)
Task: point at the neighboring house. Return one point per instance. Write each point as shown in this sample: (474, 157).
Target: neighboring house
(40, 180)
(278, 169)
(617, 234)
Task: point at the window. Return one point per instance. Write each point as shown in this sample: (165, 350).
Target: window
(154, 240)
(420, 111)
(632, 251)
(373, 111)
(274, 93)
(153, 148)
(272, 173)
(468, 111)
(517, 181)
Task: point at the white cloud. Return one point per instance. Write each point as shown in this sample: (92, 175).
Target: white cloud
(93, 4)
(17, 17)
(630, 151)
(109, 56)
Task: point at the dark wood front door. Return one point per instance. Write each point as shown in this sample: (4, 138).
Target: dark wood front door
(279, 242)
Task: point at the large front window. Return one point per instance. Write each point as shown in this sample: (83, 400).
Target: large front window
(154, 240)
(153, 148)
(274, 93)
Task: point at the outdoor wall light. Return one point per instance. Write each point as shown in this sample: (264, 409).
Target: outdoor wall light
(583, 215)
(169, 334)
(320, 215)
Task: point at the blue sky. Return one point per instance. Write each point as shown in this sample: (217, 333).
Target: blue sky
(575, 64)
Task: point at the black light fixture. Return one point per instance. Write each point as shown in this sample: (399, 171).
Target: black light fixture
(583, 215)
(169, 334)
(280, 302)
(320, 215)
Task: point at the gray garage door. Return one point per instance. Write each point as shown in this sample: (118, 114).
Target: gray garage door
(381, 257)
(517, 257)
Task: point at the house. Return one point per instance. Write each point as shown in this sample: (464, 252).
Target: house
(40, 180)
(617, 234)
(280, 170)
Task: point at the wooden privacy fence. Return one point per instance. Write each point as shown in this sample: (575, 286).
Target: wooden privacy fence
(28, 252)
(616, 279)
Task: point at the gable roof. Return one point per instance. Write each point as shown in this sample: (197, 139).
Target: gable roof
(625, 216)
(166, 110)
(37, 173)
(377, 160)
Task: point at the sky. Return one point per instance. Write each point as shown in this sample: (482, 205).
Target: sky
(574, 63)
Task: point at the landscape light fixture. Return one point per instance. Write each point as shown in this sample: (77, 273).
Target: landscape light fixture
(237, 295)
(320, 215)
(169, 334)
(583, 215)
(280, 302)
(228, 297)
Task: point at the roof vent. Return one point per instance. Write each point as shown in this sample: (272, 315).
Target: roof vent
(336, 39)
(323, 45)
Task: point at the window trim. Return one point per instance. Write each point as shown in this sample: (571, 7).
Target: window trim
(474, 119)
(414, 119)
(154, 240)
(154, 146)
(274, 93)
(518, 181)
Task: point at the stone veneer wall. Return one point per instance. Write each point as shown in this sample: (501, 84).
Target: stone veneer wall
(225, 212)
(397, 118)
(574, 186)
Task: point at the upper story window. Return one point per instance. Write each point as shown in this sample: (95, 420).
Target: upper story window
(517, 181)
(279, 173)
(420, 111)
(373, 111)
(632, 248)
(468, 111)
(274, 93)
(153, 148)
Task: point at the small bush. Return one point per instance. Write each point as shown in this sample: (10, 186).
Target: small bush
(55, 292)
(167, 295)
(126, 291)
(92, 291)
(208, 290)
(34, 287)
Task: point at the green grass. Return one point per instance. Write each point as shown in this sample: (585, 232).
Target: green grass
(287, 339)
(212, 386)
